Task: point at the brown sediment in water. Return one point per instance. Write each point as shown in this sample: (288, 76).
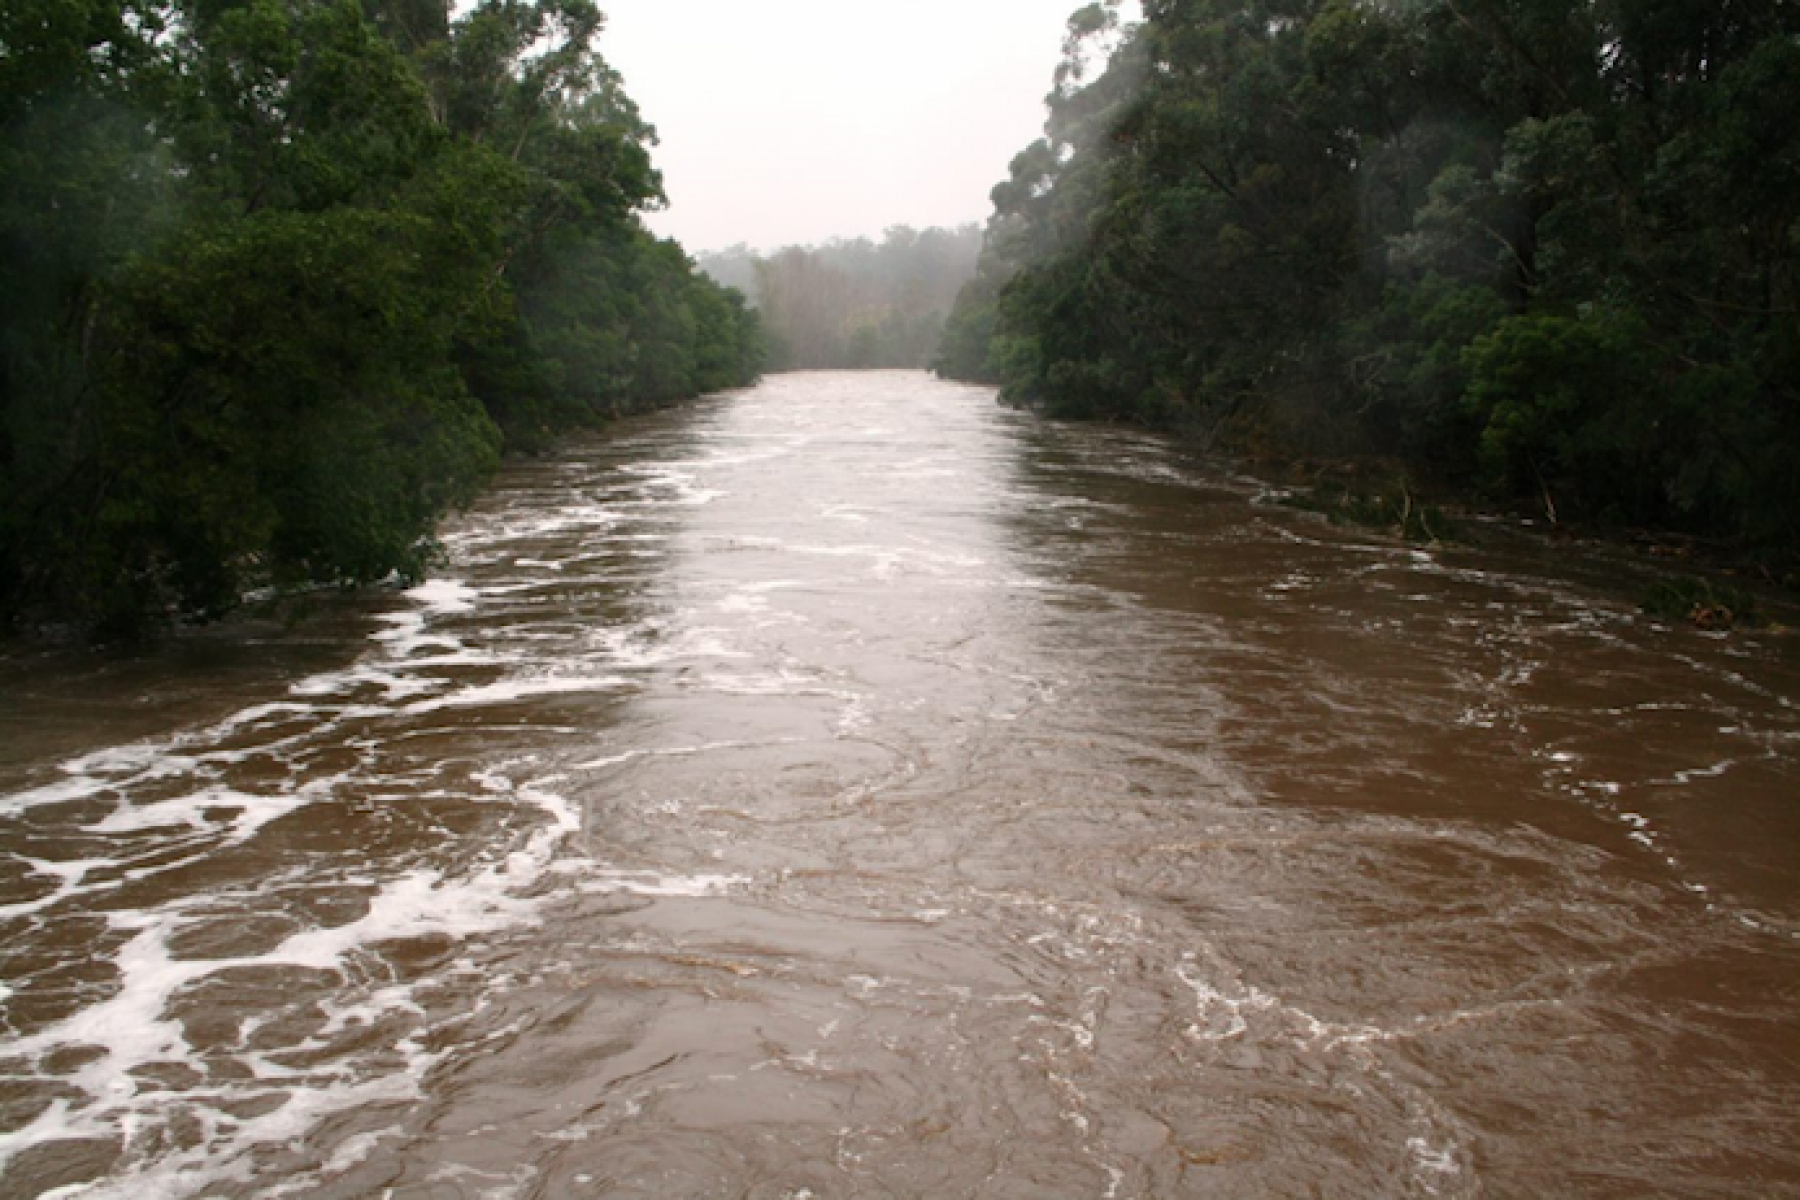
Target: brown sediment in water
(852, 788)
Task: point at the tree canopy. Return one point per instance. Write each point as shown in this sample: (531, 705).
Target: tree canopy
(1545, 249)
(284, 277)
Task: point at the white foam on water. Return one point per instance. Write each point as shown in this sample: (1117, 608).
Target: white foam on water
(353, 1152)
(1231, 1009)
(687, 492)
(133, 1028)
(1433, 1160)
(1713, 772)
(574, 518)
(651, 883)
(253, 812)
(752, 599)
(64, 791)
(198, 1171)
(886, 561)
(855, 718)
(257, 714)
(649, 646)
(129, 758)
(102, 770)
(68, 873)
(611, 760)
(407, 637)
(506, 691)
(744, 602)
(1227, 1010)
(564, 814)
(164, 805)
(71, 881)
(342, 683)
(444, 597)
(779, 683)
(207, 820)
(565, 817)
(123, 769)
(486, 1185)
(614, 760)
(1221, 1016)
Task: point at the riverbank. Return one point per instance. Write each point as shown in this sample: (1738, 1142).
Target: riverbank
(1711, 583)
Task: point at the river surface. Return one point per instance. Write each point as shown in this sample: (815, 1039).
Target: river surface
(849, 788)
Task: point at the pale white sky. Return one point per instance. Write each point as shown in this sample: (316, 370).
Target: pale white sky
(795, 121)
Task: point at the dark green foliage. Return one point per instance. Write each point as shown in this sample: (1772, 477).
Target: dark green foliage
(281, 403)
(282, 276)
(965, 349)
(1541, 249)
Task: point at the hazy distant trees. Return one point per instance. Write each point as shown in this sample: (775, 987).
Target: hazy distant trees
(856, 303)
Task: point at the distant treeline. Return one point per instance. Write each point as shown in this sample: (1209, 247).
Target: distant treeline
(855, 303)
(283, 277)
(1548, 249)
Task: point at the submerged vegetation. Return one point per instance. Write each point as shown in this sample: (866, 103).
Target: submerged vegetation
(854, 303)
(284, 277)
(1540, 250)
(1390, 507)
(1702, 603)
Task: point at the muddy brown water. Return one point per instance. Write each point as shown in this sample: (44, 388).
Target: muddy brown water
(849, 788)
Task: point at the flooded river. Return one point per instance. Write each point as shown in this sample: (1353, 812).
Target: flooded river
(849, 788)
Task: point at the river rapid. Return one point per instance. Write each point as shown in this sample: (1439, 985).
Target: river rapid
(849, 788)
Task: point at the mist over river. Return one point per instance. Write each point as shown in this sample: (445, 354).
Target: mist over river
(850, 788)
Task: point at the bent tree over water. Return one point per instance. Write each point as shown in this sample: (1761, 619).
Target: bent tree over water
(851, 788)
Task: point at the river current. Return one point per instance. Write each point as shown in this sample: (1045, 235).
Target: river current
(849, 788)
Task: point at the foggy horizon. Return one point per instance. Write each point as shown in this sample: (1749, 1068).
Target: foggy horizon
(823, 122)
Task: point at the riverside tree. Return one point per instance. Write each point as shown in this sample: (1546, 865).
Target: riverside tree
(1545, 249)
(284, 277)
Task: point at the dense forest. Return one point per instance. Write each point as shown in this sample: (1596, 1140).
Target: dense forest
(1544, 249)
(284, 277)
(855, 303)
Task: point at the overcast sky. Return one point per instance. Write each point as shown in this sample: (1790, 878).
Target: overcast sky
(795, 121)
